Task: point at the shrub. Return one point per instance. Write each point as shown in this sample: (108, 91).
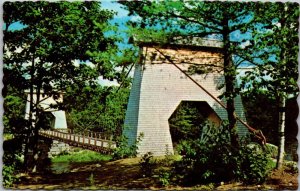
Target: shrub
(272, 149)
(12, 161)
(207, 158)
(291, 166)
(212, 158)
(160, 169)
(164, 177)
(124, 150)
(8, 173)
(252, 164)
(147, 164)
(91, 179)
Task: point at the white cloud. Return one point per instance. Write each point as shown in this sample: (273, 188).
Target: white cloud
(105, 82)
(76, 63)
(278, 24)
(87, 62)
(135, 18)
(245, 44)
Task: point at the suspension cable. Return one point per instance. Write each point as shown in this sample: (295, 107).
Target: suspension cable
(257, 133)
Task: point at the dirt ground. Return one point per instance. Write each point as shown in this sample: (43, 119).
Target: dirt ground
(124, 174)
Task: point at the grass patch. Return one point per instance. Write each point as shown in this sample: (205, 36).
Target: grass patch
(82, 156)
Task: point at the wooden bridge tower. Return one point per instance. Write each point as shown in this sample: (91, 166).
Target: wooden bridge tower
(59, 116)
(160, 85)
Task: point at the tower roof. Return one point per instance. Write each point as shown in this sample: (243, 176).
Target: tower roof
(183, 42)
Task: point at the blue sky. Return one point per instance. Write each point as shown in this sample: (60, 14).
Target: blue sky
(15, 26)
(122, 17)
(115, 7)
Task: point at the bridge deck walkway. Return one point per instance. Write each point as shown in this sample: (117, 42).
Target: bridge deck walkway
(90, 141)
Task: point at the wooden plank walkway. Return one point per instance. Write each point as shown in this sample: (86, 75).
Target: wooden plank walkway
(90, 141)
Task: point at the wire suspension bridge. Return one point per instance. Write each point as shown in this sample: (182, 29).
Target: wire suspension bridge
(88, 140)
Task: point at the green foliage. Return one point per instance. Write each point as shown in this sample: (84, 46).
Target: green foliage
(272, 150)
(12, 161)
(168, 159)
(124, 150)
(210, 186)
(53, 42)
(262, 113)
(159, 169)
(291, 166)
(277, 66)
(164, 177)
(186, 122)
(100, 109)
(212, 158)
(7, 136)
(13, 117)
(81, 156)
(53, 51)
(92, 180)
(207, 158)
(147, 164)
(9, 175)
(275, 54)
(253, 164)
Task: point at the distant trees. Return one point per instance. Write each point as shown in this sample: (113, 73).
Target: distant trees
(262, 111)
(186, 122)
(100, 109)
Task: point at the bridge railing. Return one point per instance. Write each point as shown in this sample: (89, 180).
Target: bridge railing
(85, 140)
(87, 133)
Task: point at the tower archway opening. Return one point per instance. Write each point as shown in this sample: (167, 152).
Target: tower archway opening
(189, 119)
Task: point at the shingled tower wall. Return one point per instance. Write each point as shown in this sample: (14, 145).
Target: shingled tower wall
(159, 87)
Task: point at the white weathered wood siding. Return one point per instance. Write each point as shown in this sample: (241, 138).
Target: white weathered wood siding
(159, 87)
(59, 115)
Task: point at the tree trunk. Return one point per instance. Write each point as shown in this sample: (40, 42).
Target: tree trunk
(36, 128)
(229, 73)
(281, 127)
(30, 119)
(282, 98)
